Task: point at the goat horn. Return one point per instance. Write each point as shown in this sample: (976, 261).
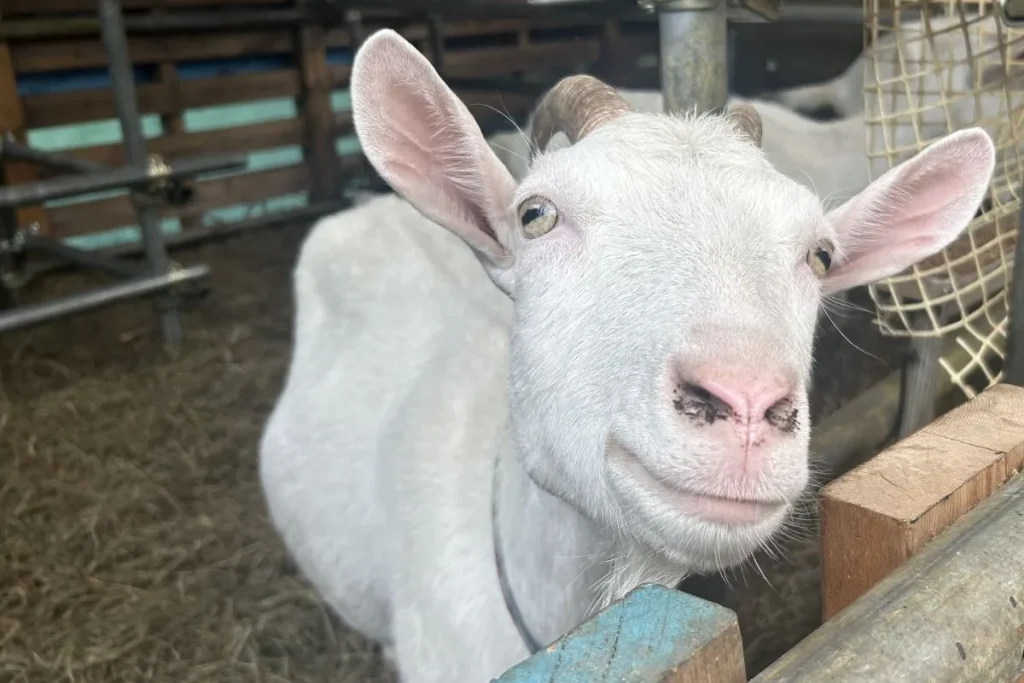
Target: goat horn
(576, 105)
(746, 118)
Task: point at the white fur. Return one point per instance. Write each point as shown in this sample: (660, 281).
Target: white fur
(422, 365)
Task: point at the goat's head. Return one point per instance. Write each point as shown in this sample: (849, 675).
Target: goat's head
(666, 280)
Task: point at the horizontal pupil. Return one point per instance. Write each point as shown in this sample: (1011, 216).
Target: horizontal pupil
(530, 215)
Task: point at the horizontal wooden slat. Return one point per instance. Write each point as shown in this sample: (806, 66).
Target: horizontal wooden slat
(33, 7)
(78, 53)
(163, 98)
(233, 140)
(55, 109)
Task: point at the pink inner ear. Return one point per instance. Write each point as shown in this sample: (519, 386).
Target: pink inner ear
(912, 211)
(422, 140)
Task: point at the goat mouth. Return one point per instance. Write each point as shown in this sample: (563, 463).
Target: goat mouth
(708, 508)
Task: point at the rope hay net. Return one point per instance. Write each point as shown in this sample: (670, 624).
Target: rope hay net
(932, 68)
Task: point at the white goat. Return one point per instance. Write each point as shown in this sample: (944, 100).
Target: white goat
(617, 396)
(929, 67)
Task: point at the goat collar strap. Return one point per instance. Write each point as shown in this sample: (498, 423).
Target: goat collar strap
(506, 591)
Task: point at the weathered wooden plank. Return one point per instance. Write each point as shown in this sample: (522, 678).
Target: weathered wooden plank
(37, 56)
(248, 138)
(952, 613)
(879, 514)
(31, 7)
(12, 120)
(654, 634)
(56, 109)
(82, 53)
(314, 104)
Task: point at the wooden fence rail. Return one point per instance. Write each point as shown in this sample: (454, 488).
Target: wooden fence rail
(49, 86)
(923, 565)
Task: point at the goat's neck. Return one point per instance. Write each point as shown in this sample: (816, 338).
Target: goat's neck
(560, 565)
(553, 555)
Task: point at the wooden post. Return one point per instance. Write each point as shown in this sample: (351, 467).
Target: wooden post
(653, 635)
(12, 120)
(952, 613)
(878, 515)
(315, 109)
(174, 124)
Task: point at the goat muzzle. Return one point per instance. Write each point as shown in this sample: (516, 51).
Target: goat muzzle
(576, 105)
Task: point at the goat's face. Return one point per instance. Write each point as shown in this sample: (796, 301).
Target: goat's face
(663, 332)
(666, 280)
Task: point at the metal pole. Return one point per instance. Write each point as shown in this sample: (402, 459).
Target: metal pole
(1013, 370)
(12, 149)
(27, 316)
(8, 230)
(116, 45)
(84, 257)
(694, 54)
(28, 194)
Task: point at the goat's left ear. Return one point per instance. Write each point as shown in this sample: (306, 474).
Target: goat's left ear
(424, 142)
(912, 211)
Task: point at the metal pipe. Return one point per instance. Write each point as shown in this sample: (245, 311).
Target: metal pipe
(12, 149)
(1013, 369)
(953, 613)
(197, 235)
(27, 194)
(115, 43)
(27, 316)
(694, 54)
(84, 257)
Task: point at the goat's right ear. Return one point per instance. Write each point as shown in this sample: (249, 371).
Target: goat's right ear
(912, 211)
(422, 140)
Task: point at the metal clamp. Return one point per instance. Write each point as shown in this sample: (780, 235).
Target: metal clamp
(739, 10)
(16, 244)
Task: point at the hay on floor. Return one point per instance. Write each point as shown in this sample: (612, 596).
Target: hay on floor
(134, 542)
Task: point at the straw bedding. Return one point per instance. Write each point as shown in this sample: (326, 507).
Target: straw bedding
(134, 542)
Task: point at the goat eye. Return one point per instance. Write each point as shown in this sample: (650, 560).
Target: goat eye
(820, 258)
(538, 217)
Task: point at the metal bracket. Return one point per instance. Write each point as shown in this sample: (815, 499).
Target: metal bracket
(740, 11)
(16, 244)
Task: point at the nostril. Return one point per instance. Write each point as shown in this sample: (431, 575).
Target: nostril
(696, 401)
(751, 399)
(783, 415)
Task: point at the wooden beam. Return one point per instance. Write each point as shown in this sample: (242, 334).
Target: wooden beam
(31, 7)
(952, 613)
(55, 109)
(883, 512)
(12, 121)
(314, 105)
(252, 137)
(653, 635)
(57, 54)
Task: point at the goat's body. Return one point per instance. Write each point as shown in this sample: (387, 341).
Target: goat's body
(378, 459)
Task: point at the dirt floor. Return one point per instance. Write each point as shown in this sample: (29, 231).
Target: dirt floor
(134, 543)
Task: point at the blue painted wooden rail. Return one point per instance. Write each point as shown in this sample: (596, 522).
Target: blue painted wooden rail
(653, 635)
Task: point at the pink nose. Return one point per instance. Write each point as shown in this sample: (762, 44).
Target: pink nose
(746, 398)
